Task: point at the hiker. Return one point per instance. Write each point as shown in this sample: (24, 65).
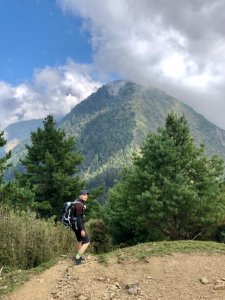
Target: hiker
(78, 226)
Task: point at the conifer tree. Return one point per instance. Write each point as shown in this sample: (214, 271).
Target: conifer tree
(4, 159)
(51, 167)
(172, 189)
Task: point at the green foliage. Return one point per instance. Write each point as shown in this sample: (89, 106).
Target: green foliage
(51, 164)
(4, 159)
(166, 248)
(172, 189)
(99, 235)
(127, 224)
(26, 242)
(94, 209)
(113, 122)
(219, 234)
(17, 196)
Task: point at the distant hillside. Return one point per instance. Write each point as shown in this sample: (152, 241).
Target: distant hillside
(114, 121)
(18, 132)
(21, 130)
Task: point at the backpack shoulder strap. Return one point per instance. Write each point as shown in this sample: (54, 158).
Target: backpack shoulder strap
(77, 201)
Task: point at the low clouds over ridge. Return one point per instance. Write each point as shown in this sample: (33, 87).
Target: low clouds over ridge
(52, 91)
(177, 46)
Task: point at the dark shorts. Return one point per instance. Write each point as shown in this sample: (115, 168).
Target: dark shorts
(82, 239)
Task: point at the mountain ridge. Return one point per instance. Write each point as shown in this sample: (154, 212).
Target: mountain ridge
(113, 122)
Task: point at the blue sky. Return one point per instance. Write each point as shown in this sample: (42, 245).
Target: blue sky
(36, 33)
(54, 53)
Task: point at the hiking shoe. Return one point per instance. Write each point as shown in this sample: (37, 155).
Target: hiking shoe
(81, 257)
(78, 261)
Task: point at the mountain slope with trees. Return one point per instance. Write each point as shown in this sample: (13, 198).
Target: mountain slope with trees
(113, 122)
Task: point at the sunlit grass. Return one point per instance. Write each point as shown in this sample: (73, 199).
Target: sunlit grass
(26, 241)
(144, 250)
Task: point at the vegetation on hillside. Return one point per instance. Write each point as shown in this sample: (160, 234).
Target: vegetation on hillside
(27, 241)
(50, 179)
(4, 159)
(171, 191)
(145, 250)
(115, 121)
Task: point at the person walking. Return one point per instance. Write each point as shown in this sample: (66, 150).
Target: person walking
(79, 228)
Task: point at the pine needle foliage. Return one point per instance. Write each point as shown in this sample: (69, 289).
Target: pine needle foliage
(172, 189)
(4, 159)
(51, 168)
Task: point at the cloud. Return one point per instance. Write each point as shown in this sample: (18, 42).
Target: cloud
(177, 46)
(52, 91)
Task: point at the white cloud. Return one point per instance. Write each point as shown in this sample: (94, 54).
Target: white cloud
(174, 66)
(175, 45)
(52, 91)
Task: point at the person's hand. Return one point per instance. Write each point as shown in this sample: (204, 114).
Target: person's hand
(83, 233)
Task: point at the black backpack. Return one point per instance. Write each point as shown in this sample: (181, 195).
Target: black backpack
(68, 218)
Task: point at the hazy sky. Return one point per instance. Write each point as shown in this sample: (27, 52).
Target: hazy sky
(54, 53)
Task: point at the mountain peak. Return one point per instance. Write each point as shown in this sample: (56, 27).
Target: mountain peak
(114, 87)
(114, 121)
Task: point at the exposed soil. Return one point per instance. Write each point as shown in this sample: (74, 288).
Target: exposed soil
(175, 277)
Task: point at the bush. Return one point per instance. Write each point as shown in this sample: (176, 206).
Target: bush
(99, 236)
(26, 241)
(219, 235)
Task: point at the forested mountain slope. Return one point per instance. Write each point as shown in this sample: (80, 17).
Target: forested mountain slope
(114, 121)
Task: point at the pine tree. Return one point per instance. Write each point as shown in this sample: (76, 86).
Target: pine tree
(172, 188)
(51, 167)
(4, 159)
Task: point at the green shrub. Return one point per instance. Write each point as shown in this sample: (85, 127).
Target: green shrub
(219, 234)
(99, 236)
(26, 241)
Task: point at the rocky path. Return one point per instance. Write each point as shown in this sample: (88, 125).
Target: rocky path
(171, 277)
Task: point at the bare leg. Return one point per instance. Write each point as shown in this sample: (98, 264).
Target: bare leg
(83, 248)
(78, 246)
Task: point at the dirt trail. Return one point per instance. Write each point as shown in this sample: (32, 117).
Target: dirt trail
(171, 277)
